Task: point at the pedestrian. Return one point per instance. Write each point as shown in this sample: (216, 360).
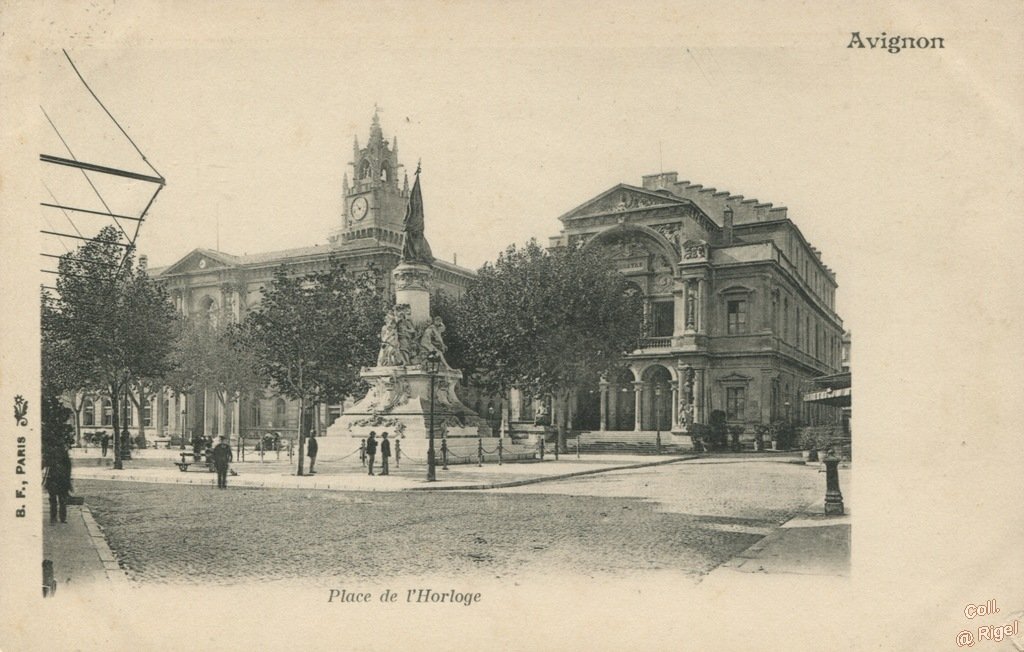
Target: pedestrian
(221, 460)
(385, 453)
(105, 443)
(362, 452)
(371, 450)
(58, 484)
(197, 448)
(311, 449)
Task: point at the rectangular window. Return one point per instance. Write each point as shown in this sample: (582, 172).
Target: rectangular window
(785, 320)
(108, 413)
(736, 312)
(735, 402)
(89, 414)
(662, 318)
(167, 413)
(147, 414)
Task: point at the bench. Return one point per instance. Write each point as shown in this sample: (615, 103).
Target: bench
(166, 441)
(184, 463)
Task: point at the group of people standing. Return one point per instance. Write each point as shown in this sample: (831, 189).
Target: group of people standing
(369, 450)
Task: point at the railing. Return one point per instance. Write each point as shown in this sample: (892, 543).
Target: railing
(656, 342)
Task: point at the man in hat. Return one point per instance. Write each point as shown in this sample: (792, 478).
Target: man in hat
(221, 460)
(311, 449)
(371, 450)
(385, 453)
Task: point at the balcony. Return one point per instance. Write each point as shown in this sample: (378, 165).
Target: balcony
(655, 343)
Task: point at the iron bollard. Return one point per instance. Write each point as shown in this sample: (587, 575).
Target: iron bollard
(398, 454)
(558, 445)
(480, 451)
(444, 454)
(542, 448)
(499, 452)
(833, 497)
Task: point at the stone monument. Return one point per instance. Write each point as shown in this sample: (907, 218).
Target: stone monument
(398, 401)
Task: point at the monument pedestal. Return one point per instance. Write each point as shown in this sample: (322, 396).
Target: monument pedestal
(399, 403)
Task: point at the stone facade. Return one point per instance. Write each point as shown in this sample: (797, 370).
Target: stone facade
(739, 307)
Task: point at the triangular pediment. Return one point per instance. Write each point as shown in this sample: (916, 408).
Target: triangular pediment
(201, 260)
(624, 198)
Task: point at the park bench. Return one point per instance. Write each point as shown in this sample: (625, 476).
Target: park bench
(166, 441)
(185, 463)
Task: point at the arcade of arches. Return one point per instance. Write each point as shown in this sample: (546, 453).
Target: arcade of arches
(635, 399)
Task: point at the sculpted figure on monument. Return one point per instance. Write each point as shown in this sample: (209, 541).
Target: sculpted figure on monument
(432, 339)
(389, 347)
(407, 345)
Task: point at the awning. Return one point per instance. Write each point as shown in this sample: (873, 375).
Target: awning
(841, 397)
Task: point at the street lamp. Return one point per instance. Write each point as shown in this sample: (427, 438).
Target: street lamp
(431, 364)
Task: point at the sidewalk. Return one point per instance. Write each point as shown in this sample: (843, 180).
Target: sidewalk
(807, 544)
(353, 476)
(82, 560)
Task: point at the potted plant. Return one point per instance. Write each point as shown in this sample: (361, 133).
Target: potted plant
(781, 432)
(809, 443)
(698, 432)
(735, 432)
(717, 430)
(761, 430)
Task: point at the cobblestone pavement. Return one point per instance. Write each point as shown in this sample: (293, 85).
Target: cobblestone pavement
(686, 518)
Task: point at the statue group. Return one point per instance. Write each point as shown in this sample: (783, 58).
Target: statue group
(402, 344)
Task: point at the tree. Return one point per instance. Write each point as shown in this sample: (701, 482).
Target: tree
(109, 317)
(548, 321)
(310, 335)
(211, 355)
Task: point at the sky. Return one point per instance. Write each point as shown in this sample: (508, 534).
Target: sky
(254, 142)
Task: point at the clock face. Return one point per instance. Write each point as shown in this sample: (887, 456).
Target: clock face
(359, 208)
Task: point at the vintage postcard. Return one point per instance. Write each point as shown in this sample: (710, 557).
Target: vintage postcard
(513, 326)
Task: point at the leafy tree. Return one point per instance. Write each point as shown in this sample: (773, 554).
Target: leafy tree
(548, 322)
(211, 355)
(310, 335)
(109, 317)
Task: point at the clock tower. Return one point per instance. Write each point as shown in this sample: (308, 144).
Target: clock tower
(373, 205)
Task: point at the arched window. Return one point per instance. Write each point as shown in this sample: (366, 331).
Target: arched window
(209, 312)
(88, 413)
(385, 172)
(254, 413)
(108, 413)
(280, 412)
(365, 170)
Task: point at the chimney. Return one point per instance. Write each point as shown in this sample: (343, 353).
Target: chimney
(727, 226)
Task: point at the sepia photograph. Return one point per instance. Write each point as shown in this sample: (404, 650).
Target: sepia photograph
(373, 326)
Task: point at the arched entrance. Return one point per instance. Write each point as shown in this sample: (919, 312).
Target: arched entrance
(657, 408)
(623, 396)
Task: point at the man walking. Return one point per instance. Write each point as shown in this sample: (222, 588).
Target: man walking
(371, 450)
(385, 453)
(104, 443)
(58, 483)
(311, 448)
(221, 460)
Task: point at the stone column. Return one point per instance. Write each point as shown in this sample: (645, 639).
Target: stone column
(701, 303)
(698, 396)
(674, 405)
(412, 287)
(236, 418)
(603, 388)
(638, 393)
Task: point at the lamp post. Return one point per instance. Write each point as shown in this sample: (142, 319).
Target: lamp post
(657, 416)
(432, 363)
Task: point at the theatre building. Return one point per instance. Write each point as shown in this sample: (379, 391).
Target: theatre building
(739, 307)
(208, 284)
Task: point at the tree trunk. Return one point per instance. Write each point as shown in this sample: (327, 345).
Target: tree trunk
(562, 412)
(302, 439)
(115, 421)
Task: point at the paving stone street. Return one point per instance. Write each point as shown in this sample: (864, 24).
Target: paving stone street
(687, 517)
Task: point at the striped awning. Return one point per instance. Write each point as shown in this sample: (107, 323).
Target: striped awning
(830, 396)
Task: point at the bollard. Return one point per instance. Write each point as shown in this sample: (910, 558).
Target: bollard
(480, 451)
(499, 452)
(833, 497)
(398, 454)
(558, 445)
(542, 448)
(444, 454)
